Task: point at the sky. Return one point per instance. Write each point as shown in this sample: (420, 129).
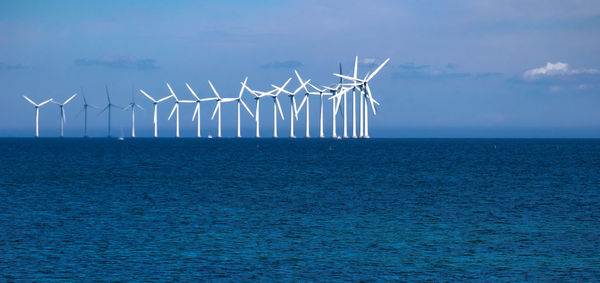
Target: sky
(456, 69)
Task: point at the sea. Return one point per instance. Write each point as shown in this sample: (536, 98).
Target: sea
(330, 210)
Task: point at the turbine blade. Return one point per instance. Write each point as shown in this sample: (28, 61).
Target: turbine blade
(216, 108)
(140, 107)
(103, 110)
(279, 107)
(173, 111)
(163, 99)
(337, 104)
(79, 113)
(302, 103)
(286, 83)
(371, 99)
(295, 108)
(298, 76)
(70, 98)
(316, 88)
(242, 89)
(30, 101)
(147, 95)
(171, 90)
(348, 78)
(249, 89)
(196, 111)
(302, 86)
(213, 89)
(62, 113)
(49, 100)
(107, 96)
(247, 109)
(208, 99)
(378, 69)
(192, 91)
(355, 66)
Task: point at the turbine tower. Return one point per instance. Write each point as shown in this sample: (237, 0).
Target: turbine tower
(109, 106)
(132, 106)
(197, 110)
(321, 92)
(276, 106)
(333, 91)
(85, 113)
(37, 112)
(176, 108)
(63, 117)
(293, 108)
(156, 102)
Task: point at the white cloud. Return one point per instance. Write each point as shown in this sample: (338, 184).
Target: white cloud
(368, 61)
(556, 69)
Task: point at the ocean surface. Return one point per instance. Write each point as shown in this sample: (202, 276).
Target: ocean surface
(300, 210)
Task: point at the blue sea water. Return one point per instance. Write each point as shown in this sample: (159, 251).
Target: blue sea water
(300, 210)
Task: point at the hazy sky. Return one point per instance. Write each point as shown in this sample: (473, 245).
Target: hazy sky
(457, 68)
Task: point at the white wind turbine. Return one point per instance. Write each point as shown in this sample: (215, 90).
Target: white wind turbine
(257, 96)
(322, 92)
(63, 117)
(176, 108)
(307, 101)
(197, 110)
(276, 106)
(224, 100)
(109, 106)
(293, 108)
(240, 101)
(156, 102)
(345, 112)
(366, 91)
(85, 114)
(37, 112)
(132, 106)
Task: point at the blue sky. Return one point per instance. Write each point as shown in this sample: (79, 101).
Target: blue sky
(457, 69)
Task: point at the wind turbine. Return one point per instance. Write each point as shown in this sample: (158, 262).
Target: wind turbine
(63, 117)
(156, 102)
(240, 101)
(276, 106)
(85, 114)
(109, 107)
(293, 108)
(132, 106)
(257, 96)
(176, 108)
(305, 100)
(197, 110)
(321, 92)
(37, 112)
(224, 100)
(366, 91)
